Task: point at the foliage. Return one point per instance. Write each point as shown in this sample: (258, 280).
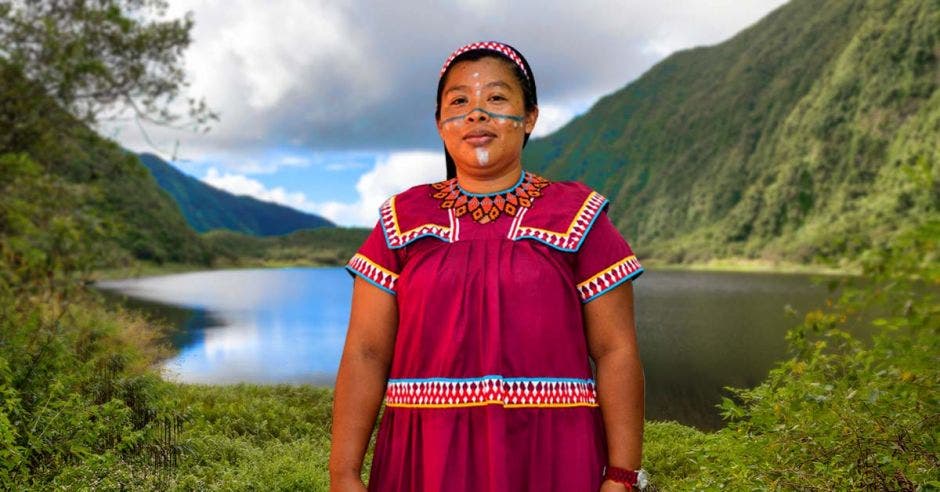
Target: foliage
(144, 222)
(93, 57)
(792, 140)
(74, 377)
(207, 208)
(321, 246)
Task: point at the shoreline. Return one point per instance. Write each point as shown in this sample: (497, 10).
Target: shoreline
(747, 265)
(152, 270)
(739, 265)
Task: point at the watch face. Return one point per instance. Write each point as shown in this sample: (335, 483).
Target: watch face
(642, 479)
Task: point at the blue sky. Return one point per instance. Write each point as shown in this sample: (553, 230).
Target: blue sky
(328, 106)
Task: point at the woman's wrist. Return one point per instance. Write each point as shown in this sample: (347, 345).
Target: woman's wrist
(345, 481)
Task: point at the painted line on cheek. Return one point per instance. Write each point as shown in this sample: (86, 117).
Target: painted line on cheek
(510, 117)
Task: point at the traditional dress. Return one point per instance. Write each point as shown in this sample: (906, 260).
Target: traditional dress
(491, 387)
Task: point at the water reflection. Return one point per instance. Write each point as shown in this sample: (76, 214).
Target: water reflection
(259, 325)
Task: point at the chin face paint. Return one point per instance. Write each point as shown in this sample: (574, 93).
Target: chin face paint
(517, 120)
(483, 156)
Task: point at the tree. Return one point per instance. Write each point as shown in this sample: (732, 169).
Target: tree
(99, 59)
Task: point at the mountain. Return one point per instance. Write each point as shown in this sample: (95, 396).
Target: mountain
(207, 208)
(112, 186)
(813, 132)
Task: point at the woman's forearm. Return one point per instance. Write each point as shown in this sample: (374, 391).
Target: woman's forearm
(620, 393)
(360, 379)
(360, 386)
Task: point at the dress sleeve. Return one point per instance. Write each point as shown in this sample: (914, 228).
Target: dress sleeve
(376, 262)
(604, 261)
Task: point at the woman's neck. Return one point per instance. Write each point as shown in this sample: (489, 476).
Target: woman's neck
(492, 183)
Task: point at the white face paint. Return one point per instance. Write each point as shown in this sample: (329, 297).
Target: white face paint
(483, 156)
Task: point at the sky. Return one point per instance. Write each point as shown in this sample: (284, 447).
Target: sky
(328, 107)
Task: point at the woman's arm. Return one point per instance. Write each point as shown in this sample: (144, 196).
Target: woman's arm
(611, 335)
(360, 381)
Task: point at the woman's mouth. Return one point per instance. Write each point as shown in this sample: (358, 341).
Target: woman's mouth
(479, 137)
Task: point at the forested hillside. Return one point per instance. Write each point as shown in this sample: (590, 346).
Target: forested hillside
(142, 221)
(207, 208)
(810, 133)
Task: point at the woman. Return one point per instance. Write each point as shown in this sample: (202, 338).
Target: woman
(478, 305)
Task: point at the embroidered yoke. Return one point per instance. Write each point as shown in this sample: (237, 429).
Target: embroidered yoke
(491, 386)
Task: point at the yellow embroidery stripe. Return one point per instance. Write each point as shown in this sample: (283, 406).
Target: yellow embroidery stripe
(607, 270)
(391, 206)
(574, 222)
(373, 264)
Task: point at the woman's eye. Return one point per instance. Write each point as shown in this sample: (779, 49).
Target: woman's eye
(458, 100)
(497, 97)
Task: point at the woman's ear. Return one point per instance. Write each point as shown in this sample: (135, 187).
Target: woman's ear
(530, 118)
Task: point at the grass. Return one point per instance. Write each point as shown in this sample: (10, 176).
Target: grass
(245, 436)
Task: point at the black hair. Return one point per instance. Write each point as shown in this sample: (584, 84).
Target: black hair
(529, 95)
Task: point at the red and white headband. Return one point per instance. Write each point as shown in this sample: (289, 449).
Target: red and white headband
(487, 45)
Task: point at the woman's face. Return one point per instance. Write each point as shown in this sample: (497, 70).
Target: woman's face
(483, 121)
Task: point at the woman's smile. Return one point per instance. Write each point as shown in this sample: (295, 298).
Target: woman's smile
(479, 137)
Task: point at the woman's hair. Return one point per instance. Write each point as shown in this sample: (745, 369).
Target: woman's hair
(525, 78)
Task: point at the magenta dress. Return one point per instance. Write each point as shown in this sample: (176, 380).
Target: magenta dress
(491, 386)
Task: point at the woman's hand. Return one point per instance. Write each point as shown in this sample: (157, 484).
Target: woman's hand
(611, 486)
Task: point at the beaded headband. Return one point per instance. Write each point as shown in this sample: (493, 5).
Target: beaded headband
(496, 46)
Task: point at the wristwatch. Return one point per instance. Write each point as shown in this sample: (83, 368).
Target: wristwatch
(633, 479)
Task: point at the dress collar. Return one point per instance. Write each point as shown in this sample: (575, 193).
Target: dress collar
(488, 207)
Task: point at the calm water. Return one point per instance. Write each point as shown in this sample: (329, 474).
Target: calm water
(698, 331)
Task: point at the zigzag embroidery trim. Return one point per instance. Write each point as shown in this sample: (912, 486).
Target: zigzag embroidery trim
(491, 390)
(394, 236)
(373, 271)
(570, 240)
(609, 277)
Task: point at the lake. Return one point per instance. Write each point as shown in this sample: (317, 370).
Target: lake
(697, 331)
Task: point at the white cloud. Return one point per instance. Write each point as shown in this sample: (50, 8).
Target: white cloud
(395, 173)
(392, 174)
(239, 184)
(551, 118)
(361, 75)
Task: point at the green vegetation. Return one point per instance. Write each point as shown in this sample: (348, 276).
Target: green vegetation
(207, 208)
(802, 136)
(310, 247)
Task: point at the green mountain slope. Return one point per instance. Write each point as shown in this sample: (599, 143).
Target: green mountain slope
(207, 208)
(146, 223)
(814, 131)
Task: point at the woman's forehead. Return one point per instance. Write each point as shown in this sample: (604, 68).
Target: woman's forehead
(485, 71)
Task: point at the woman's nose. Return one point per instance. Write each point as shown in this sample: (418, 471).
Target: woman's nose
(477, 114)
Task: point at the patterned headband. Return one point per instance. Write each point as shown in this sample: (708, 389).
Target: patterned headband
(496, 46)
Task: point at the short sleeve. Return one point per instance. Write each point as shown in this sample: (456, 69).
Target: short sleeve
(604, 261)
(375, 262)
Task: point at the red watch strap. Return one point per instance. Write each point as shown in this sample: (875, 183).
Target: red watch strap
(621, 475)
